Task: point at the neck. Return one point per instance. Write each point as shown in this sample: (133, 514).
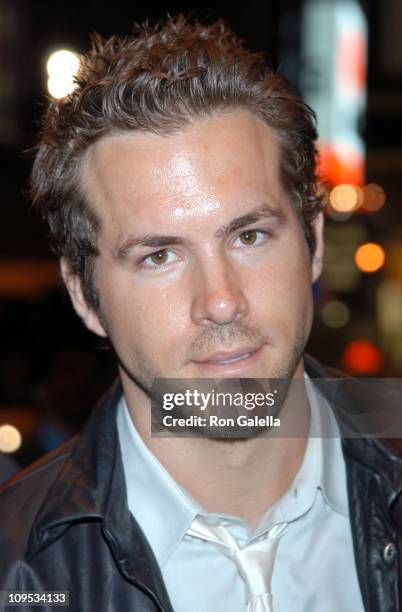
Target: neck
(243, 478)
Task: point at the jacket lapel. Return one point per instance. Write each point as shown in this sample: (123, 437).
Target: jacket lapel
(91, 486)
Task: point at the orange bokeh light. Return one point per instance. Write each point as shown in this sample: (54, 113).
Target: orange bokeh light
(370, 257)
(373, 197)
(361, 357)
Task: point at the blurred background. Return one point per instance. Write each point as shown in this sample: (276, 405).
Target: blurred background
(344, 57)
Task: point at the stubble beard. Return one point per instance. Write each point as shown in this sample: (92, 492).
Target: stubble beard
(143, 375)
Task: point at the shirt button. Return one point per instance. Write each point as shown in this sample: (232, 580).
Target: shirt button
(389, 552)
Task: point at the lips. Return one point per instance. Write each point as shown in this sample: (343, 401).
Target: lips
(234, 360)
(228, 357)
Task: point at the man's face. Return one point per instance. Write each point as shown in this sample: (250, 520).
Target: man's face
(203, 268)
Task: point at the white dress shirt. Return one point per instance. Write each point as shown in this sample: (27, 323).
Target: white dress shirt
(314, 568)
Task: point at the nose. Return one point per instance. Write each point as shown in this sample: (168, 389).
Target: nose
(218, 297)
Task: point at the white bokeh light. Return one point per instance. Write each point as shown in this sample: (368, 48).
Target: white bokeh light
(62, 66)
(10, 439)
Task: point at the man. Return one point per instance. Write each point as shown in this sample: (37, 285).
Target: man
(178, 181)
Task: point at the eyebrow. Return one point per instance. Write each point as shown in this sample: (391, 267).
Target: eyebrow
(267, 211)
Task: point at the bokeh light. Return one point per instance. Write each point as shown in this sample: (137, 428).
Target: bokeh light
(361, 357)
(370, 257)
(373, 197)
(335, 314)
(10, 439)
(345, 198)
(62, 66)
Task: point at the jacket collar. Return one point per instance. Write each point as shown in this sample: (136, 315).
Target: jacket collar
(91, 487)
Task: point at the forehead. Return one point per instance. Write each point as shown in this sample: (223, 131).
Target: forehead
(218, 166)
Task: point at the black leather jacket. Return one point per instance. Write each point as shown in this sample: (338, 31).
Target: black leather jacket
(65, 524)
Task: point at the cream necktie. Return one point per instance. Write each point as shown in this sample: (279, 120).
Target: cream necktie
(255, 562)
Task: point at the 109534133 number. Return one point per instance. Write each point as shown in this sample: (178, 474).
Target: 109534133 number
(26, 598)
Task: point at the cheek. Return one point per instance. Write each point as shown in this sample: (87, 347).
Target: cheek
(283, 295)
(166, 315)
(141, 316)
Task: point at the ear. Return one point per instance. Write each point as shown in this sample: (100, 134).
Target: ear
(81, 306)
(316, 263)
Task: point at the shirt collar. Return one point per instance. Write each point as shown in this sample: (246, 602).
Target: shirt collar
(324, 429)
(322, 468)
(162, 508)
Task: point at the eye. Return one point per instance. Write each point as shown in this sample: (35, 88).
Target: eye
(160, 257)
(252, 237)
(157, 259)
